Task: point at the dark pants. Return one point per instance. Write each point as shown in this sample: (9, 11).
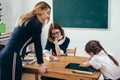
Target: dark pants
(10, 66)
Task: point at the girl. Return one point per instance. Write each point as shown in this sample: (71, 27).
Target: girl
(28, 30)
(57, 42)
(102, 61)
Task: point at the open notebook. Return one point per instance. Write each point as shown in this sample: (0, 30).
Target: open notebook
(29, 59)
(80, 69)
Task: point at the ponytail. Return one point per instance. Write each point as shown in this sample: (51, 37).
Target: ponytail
(95, 47)
(110, 56)
(113, 59)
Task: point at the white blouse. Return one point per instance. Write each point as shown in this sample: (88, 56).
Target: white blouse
(102, 62)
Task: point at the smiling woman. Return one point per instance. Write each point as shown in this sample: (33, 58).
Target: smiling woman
(28, 30)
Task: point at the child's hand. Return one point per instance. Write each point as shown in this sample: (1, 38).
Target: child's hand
(51, 57)
(85, 64)
(59, 38)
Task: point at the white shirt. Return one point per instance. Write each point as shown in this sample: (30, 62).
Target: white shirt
(59, 43)
(102, 62)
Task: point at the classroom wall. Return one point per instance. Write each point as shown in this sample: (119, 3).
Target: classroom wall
(109, 38)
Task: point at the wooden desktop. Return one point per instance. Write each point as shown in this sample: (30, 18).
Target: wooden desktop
(57, 69)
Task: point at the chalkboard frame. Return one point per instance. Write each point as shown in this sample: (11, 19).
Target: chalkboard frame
(99, 20)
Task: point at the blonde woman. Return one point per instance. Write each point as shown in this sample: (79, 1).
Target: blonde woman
(28, 30)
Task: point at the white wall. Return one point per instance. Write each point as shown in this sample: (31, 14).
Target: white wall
(79, 37)
(110, 38)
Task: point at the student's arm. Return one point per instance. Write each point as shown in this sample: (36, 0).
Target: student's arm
(86, 64)
(57, 48)
(94, 62)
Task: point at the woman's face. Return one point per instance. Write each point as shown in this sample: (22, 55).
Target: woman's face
(56, 33)
(45, 15)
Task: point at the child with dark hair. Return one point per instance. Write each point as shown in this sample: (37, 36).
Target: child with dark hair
(101, 60)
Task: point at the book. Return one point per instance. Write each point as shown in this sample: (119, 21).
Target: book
(29, 59)
(24, 62)
(80, 69)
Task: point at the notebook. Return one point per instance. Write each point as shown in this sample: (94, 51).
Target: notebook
(80, 69)
(29, 59)
(24, 62)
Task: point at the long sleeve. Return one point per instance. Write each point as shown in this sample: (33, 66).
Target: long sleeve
(36, 28)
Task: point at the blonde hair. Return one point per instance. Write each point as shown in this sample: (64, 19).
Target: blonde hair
(26, 17)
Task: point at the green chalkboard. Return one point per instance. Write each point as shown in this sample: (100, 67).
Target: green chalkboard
(81, 13)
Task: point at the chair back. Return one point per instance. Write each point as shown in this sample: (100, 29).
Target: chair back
(71, 51)
(1, 47)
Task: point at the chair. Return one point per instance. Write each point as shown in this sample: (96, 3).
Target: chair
(71, 51)
(1, 47)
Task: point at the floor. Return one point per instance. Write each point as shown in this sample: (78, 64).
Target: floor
(26, 76)
(32, 77)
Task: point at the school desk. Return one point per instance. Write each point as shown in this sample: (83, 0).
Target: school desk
(57, 69)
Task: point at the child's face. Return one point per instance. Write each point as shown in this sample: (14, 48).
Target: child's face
(91, 54)
(56, 33)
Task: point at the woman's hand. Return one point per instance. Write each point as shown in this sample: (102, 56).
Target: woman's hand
(42, 68)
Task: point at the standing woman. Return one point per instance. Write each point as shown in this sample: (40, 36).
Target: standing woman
(28, 30)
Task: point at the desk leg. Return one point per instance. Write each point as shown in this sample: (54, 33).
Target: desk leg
(36, 76)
